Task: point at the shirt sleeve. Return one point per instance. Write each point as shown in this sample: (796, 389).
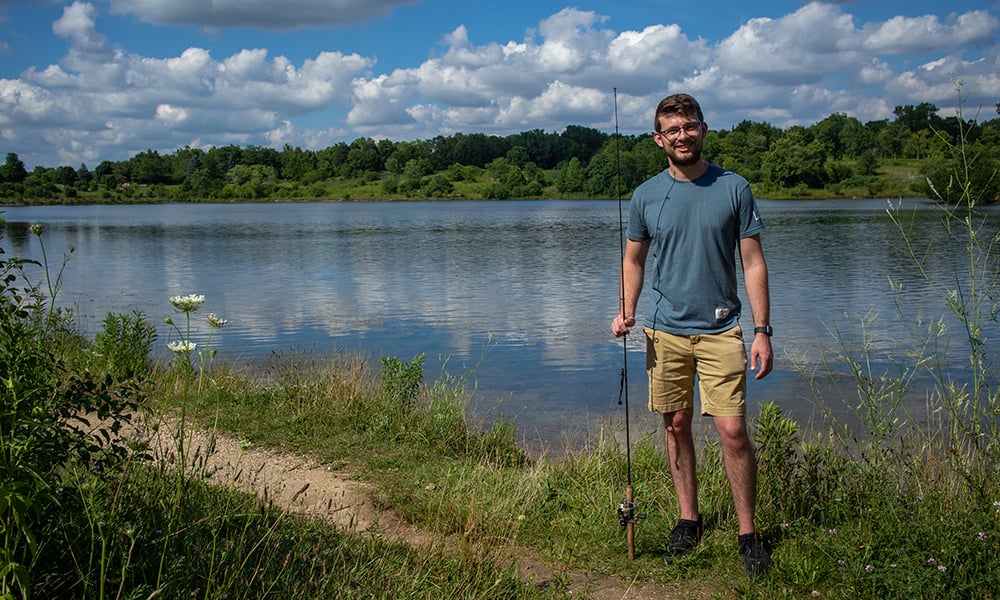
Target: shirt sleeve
(636, 230)
(750, 221)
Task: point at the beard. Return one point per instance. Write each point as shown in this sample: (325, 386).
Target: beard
(685, 161)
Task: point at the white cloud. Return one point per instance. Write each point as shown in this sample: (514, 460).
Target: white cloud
(171, 115)
(140, 102)
(802, 47)
(561, 76)
(77, 24)
(901, 35)
(265, 14)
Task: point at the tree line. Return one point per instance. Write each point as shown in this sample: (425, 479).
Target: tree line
(839, 154)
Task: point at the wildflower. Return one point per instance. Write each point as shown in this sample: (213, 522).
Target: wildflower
(215, 321)
(833, 531)
(181, 347)
(869, 569)
(931, 561)
(785, 525)
(37, 229)
(188, 303)
(942, 568)
(981, 536)
(841, 563)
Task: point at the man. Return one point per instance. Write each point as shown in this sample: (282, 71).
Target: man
(695, 216)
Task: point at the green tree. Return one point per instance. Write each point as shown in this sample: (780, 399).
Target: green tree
(83, 175)
(742, 149)
(296, 163)
(518, 156)
(890, 138)
(867, 163)
(148, 168)
(841, 136)
(260, 155)
(580, 142)
(622, 164)
(40, 183)
(795, 161)
(921, 116)
(540, 147)
(332, 160)
(363, 156)
(438, 186)
(403, 152)
(65, 175)
(570, 177)
(13, 171)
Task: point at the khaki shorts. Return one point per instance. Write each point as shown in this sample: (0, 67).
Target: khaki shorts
(719, 360)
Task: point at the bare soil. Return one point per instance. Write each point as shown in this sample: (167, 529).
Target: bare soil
(302, 486)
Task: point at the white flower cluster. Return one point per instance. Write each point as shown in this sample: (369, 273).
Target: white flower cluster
(188, 303)
(181, 347)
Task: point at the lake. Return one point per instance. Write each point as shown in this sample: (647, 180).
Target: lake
(515, 296)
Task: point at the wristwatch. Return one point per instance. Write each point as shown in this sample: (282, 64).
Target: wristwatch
(765, 329)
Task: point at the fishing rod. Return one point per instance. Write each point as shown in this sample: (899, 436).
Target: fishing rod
(626, 508)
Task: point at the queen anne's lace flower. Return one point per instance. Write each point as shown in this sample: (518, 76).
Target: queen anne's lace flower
(188, 303)
(216, 321)
(181, 347)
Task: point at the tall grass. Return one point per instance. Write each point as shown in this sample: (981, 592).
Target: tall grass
(885, 503)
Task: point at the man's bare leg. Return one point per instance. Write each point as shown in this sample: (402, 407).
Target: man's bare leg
(679, 445)
(741, 468)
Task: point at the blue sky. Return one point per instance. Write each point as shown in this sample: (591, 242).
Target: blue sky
(86, 81)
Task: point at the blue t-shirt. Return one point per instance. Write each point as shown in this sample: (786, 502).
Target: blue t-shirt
(694, 227)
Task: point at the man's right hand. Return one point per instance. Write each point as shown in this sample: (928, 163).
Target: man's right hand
(620, 325)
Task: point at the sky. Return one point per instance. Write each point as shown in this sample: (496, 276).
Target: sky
(92, 80)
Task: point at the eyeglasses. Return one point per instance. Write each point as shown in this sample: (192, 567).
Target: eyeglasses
(692, 128)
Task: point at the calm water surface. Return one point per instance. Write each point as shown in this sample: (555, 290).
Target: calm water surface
(515, 296)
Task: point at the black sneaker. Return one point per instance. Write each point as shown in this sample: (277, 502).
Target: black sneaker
(756, 556)
(684, 538)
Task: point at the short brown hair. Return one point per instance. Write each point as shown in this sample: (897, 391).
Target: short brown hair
(677, 104)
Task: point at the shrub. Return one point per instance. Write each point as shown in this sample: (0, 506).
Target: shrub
(51, 417)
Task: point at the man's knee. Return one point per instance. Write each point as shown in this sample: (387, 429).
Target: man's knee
(733, 433)
(678, 423)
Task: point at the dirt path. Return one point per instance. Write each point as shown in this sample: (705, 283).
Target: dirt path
(300, 485)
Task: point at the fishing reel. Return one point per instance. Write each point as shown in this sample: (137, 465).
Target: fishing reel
(627, 514)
